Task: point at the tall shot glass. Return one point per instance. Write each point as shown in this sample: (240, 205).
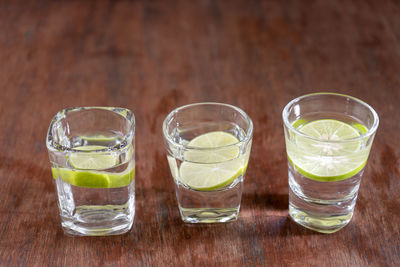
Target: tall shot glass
(208, 147)
(328, 140)
(92, 157)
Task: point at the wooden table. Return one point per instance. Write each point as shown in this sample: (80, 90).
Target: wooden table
(152, 56)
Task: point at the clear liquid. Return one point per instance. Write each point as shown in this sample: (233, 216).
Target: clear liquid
(95, 211)
(183, 135)
(198, 206)
(320, 205)
(221, 205)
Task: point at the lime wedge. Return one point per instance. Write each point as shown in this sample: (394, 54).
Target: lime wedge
(208, 170)
(92, 161)
(327, 159)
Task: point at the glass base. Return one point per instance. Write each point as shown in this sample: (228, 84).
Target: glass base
(209, 215)
(76, 230)
(319, 222)
(97, 222)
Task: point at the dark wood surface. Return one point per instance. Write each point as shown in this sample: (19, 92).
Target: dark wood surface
(152, 56)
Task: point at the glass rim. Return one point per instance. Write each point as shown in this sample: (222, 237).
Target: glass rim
(247, 138)
(127, 138)
(369, 132)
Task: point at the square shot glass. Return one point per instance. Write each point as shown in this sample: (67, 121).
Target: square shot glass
(92, 156)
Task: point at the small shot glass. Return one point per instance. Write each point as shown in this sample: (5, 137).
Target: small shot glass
(328, 141)
(92, 156)
(208, 147)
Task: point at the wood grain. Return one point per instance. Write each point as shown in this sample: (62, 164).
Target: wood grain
(152, 56)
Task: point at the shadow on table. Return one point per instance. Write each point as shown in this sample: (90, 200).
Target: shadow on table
(158, 221)
(265, 201)
(271, 213)
(159, 230)
(271, 226)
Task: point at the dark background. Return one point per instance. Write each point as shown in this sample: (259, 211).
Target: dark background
(152, 56)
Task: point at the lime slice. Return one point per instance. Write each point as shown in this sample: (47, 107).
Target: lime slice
(298, 123)
(207, 177)
(91, 179)
(92, 161)
(329, 130)
(361, 128)
(327, 159)
(89, 166)
(122, 179)
(94, 179)
(212, 169)
(221, 144)
(99, 138)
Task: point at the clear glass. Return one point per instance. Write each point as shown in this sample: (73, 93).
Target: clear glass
(326, 205)
(92, 157)
(185, 123)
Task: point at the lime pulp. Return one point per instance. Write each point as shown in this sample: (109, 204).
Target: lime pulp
(324, 157)
(215, 165)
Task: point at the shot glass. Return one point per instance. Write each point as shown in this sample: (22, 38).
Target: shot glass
(208, 147)
(328, 140)
(92, 156)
